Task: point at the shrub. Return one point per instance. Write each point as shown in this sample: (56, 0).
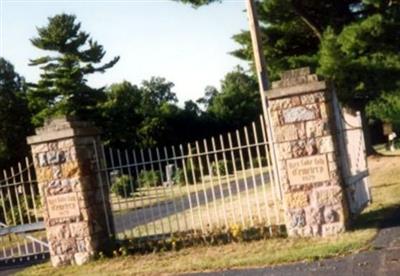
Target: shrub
(178, 177)
(220, 166)
(150, 178)
(256, 164)
(13, 215)
(122, 186)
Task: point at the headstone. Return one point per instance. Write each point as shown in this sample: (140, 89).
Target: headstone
(169, 169)
(305, 140)
(75, 204)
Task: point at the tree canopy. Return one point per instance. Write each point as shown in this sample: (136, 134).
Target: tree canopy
(355, 43)
(14, 115)
(62, 87)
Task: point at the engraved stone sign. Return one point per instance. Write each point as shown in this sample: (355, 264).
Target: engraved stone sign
(62, 206)
(308, 170)
(298, 114)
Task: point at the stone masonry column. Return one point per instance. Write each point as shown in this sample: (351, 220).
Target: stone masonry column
(308, 159)
(73, 201)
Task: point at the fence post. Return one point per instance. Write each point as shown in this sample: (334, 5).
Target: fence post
(309, 160)
(73, 202)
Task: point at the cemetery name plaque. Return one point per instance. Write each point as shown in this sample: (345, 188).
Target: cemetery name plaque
(62, 206)
(307, 170)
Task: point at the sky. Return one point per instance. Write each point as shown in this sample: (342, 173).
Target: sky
(189, 47)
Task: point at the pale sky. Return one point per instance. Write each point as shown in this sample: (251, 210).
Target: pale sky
(153, 38)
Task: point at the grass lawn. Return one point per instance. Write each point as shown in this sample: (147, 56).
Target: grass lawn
(385, 189)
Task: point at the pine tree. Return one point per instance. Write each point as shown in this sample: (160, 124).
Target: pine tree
(62, 88)
(14, 116)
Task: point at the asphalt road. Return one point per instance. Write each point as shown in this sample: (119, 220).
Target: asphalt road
(131, 219)
(384, 259)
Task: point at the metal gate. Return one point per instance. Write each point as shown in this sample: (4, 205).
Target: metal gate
(224, 182)
(22, 234)
(353, 157)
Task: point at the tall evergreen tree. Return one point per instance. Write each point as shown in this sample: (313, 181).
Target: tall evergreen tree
(14, 116)
(62, 88)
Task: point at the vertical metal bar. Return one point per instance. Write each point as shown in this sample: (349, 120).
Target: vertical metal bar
(255, 134)
(164, 191)
(125, 191)
(140, 195)
(31, 188)
(150, 205)
(214, 198)
(195, 187)
(3, 204)
(128, 163)
(202, 182)
(182, 193)
(11, 203)
(100, 180)
(174, 198)
(270, 168)
(219, 182)
(111, 154)
(22, 180)
(252, 172)
(158, 199)
(187, 185)
(21, 215)
(228, 182)
(239, 143)
(238, 191)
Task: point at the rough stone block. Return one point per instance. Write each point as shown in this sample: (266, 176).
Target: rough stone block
(317, 128)
(325, 144)
(297, 200)
(39, 148)
(297, 218)
(81, 258)
(328, 196)
(285, 150)
(300, 114)
(280, 104)
(286, 133)
(332, 229)
(325, 110)
(79, 229)
(70, 169)
(313, 98)
(276, 118)
(66, 144)
(44, 174)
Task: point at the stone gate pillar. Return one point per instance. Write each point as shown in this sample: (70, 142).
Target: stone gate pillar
(308, 159)
(74, 203)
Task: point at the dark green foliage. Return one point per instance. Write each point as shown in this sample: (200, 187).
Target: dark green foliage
(178, 177)
(355, 43)
(13, 214)
(193, 172)
(122, 186)
(149, 178)
(256, 162)
(220, 168)
(14, 116)
(62, 88)
(238, 102)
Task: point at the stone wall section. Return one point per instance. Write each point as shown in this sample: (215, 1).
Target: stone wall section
(305, 139)
(72, 199)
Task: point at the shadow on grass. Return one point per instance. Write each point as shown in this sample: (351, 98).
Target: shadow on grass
(381, 218)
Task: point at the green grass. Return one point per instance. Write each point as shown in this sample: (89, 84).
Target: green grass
(382, 149)
(385, 188)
